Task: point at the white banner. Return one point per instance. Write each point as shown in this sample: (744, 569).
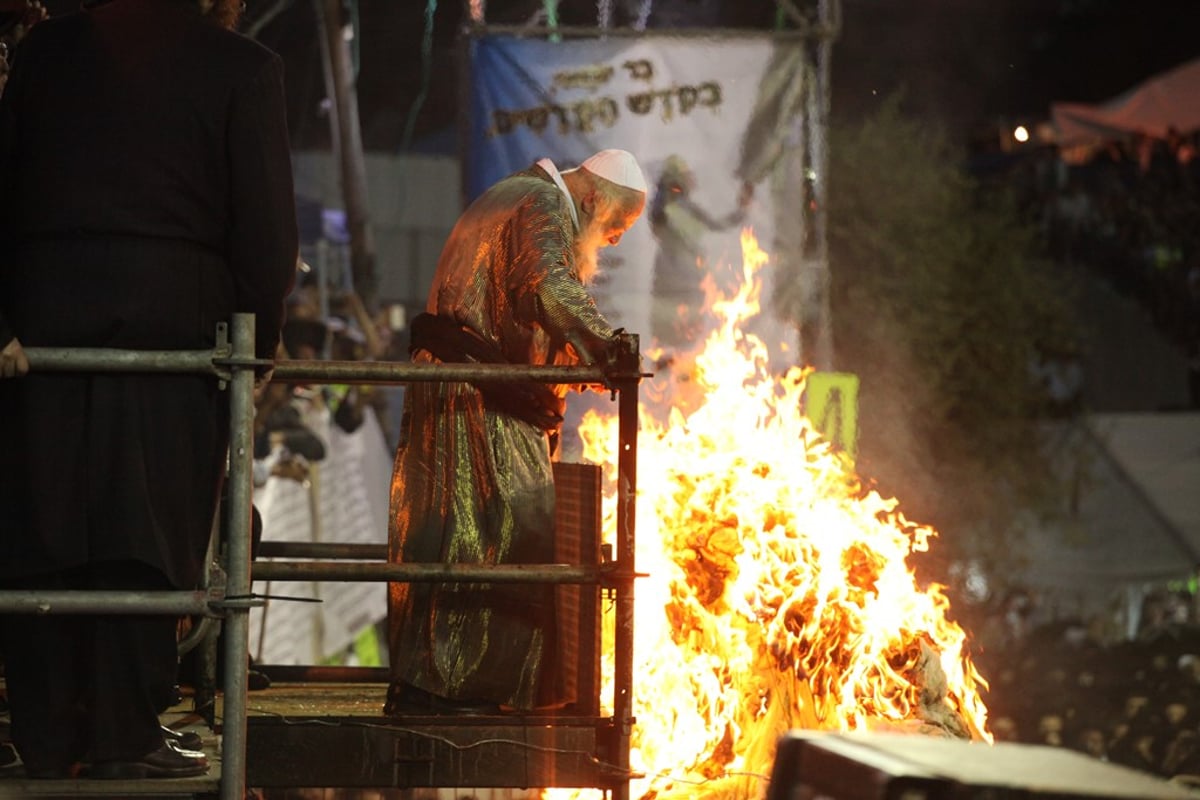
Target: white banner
(709, 120)
(347, 497)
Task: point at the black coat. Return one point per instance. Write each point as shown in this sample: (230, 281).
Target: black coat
(146, 185)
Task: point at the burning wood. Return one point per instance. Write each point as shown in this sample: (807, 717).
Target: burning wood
(779, 595)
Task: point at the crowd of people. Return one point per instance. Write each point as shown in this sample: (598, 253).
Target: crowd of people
(347, 333)
(1127, 210)
(1072, 684)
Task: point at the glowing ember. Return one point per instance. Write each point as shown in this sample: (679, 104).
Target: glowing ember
(779, 595)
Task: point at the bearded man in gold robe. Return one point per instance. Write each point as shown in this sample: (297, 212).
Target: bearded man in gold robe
(472, 481)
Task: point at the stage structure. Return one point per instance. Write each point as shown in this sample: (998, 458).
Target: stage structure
(730, 127)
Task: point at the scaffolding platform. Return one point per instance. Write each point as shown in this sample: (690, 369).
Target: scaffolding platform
(315, 735)
(326, 735)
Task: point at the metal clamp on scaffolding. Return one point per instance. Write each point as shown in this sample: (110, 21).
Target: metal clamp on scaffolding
(224, 361)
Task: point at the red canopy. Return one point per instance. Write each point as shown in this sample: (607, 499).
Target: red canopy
(1168, 100)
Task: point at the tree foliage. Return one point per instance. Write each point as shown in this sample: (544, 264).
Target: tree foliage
(941, 304)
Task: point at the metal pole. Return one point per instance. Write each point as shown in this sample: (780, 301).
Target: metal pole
(326, 550)
(237, 553)
(53, 359)
(313, 488)
(623, 640)
(466, 50)
(344, 127)
(405, 372)
(819, 134)
(423, 573)
(560, 32)
(36, 601)
(380, 372)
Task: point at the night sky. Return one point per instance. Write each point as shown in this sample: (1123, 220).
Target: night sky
(965, 64)
(962, 63)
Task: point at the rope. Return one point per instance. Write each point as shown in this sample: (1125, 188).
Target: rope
(426, 70)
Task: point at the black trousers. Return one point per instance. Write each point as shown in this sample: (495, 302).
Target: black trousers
(88, 687)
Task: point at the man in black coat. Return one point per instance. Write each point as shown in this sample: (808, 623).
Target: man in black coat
(146, 192)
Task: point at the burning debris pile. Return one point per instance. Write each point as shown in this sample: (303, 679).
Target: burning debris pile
(779, 596)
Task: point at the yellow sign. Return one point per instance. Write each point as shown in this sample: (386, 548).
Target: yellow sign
(831, 403)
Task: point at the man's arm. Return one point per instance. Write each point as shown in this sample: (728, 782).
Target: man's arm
(563, 306)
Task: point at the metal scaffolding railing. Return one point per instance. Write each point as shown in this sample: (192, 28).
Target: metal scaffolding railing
(229, 595)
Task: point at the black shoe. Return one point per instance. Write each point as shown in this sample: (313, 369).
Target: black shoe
(257, 681)
(165, 762)
(183, 740)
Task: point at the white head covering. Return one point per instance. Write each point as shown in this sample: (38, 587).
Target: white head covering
(617, 166)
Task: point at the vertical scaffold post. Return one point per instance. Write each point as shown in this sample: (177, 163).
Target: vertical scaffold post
(623, 640)
(237, 555)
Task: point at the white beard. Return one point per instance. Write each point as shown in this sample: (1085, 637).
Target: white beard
(587, 262)
(587, 257)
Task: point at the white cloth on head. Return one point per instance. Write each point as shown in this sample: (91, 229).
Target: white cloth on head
(617, 166)
(548, 165)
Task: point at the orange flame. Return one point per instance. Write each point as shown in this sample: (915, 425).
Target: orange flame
(779, 595)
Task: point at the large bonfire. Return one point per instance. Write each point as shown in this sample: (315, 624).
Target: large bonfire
(779, 594)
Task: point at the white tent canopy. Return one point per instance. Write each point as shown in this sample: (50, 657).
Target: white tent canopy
(1135, 523)
(1170, 100)
(1161, 455)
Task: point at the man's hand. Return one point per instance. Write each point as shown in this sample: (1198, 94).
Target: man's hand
(13, 362)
